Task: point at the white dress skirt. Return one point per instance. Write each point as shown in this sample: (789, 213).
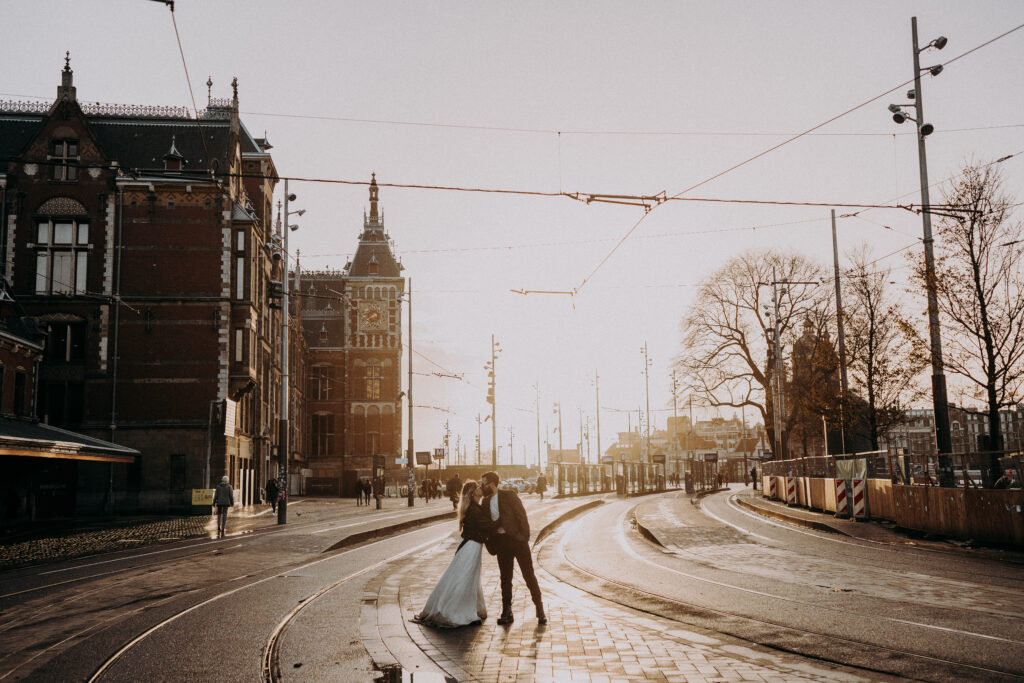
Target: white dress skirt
(458, 598)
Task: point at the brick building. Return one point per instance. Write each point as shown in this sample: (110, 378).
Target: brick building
(352, 324)
(135, 237)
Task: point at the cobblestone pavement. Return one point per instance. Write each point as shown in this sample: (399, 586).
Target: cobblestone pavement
(587, 638)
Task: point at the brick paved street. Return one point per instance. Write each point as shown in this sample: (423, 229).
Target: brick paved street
(587, 638)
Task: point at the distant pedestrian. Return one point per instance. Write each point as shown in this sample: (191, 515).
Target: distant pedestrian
(452, 488)
(753, 476)
(542, 485)
(367, 490)
(272, 492)
(223, 499)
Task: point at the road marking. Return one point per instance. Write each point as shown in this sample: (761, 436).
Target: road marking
(621, 537)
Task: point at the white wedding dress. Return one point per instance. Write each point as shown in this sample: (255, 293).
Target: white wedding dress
(458, 598)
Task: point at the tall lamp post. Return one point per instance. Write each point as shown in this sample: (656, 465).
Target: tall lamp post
(489, 367)
(410, 462)
(939, 401)
(282, 438)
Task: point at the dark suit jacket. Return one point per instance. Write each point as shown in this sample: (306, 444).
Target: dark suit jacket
(511, 517)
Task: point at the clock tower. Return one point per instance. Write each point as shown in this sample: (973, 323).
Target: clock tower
(372, 347)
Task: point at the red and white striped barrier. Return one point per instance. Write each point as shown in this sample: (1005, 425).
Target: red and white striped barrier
(860, 499)
(842, 504)
(790, 490)
(772, 488)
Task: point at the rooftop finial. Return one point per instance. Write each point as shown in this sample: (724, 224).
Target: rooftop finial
(234, 88)
(209, 90)
(373, 197)
(66, 90)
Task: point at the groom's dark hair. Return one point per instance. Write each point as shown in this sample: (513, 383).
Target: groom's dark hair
(490, 477)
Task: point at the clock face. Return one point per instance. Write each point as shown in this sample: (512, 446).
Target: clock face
(372, 317)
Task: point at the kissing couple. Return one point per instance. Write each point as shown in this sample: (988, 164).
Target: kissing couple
(493, 518)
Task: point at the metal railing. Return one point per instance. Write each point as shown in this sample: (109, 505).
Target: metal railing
(969, 470)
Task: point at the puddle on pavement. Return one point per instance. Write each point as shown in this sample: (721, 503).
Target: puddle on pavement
(396, 674)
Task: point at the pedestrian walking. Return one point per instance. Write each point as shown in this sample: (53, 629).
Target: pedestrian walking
(753, 476)
(223, 499)
(273, 489)
(542, 485)
(367, 490)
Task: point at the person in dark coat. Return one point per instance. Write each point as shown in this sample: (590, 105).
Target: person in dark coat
(223, 499)
(367, 491)
(272, 490)
(453, 488)
(542, 485)
(510, 542)
(753, 477)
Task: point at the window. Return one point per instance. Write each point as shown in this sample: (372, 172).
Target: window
(64, 159)
(240, 244)
(373, 383)
(240, 277)
(323, 434)
(239, 344)
(321, 378)
(62, 256)
(66, 342)
(19, 392)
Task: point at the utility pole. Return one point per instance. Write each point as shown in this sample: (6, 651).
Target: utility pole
(675, 424)
(536, 387)
(490, 367)
(693, 430)
(282, 426)
(778, 404)
(411, 463)
(842, 342)
(581, 433)
(478, 423)
(597, 407)
(647, 394)
(939, 402)
(558, 409)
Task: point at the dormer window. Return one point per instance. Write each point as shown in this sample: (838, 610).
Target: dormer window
(374, 268)
(63, 157)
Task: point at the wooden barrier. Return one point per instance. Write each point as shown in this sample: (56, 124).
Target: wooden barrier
(986, 515)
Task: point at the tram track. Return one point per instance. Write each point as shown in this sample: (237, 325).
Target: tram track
(737, 624)
(270, 650)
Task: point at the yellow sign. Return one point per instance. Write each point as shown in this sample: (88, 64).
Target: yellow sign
(202, 496)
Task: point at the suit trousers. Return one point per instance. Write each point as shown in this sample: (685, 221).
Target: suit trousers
(510, 550)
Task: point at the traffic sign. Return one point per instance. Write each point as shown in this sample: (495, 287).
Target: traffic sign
(439, 454)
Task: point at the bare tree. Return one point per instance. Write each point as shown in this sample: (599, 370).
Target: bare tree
(881, 345)
(727, 356)
(981, 294)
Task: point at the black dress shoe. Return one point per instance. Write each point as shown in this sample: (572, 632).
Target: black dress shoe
(506, 618)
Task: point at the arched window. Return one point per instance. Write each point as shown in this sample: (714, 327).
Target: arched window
(373, 382)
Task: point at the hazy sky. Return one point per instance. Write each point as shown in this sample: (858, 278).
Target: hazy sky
(649, 96)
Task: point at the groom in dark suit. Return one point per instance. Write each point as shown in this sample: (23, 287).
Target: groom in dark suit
(510, 542)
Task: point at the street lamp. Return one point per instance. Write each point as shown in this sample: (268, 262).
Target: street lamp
(942, 432)
(489, 367)
(410, 463)
(282, 445)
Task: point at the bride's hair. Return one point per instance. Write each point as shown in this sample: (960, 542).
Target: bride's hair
(466, 500)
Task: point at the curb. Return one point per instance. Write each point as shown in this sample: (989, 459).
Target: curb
(363, 536)
(550, 527)
(792, 519)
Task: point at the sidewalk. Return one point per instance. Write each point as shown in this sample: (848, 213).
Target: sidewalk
(67, 539)
(587, 638)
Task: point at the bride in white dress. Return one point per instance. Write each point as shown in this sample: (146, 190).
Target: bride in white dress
(458, 597)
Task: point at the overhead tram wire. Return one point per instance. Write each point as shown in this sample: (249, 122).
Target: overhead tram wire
(773, 148)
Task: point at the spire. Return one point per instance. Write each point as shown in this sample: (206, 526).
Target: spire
(209, 90)
(173, 158)
(66, 91)
(235, 124)
(373, 198)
